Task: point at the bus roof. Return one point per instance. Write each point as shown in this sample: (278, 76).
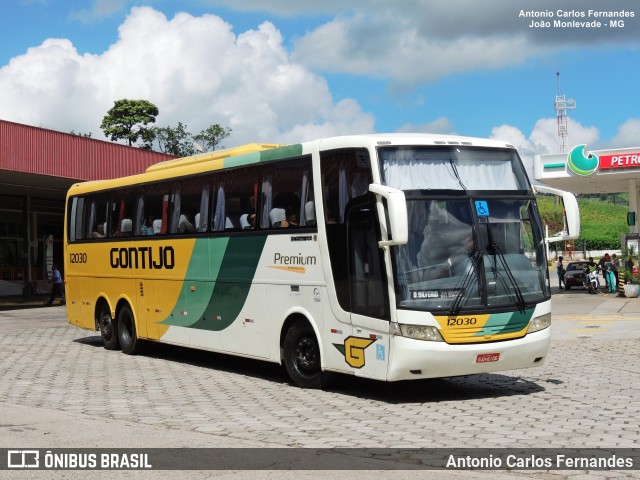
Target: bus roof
(389, 139)
(262, 152)
(215, 155)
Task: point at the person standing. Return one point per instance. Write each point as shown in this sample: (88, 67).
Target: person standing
(56, 289)
(560, 270)
(602, 269)
(611, 279)
(615, 261)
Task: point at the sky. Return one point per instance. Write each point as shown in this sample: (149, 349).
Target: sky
(286, 71)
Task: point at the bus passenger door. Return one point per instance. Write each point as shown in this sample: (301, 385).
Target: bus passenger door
(369, 297)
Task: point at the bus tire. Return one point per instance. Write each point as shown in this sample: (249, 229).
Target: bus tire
(129, 341)
(108, 329)
(301, 356)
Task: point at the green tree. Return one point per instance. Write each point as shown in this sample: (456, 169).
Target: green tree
(174, 141)
(211, 137)
(128, 120)
(80, 134)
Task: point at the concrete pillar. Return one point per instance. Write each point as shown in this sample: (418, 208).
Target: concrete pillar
(633, 202)
(27, 290)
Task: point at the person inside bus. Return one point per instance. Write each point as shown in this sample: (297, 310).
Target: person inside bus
(185, 225)
(147, 226)
(458, 260)
(292, 217)
(248, 221)
(278, 218)
(99, 232)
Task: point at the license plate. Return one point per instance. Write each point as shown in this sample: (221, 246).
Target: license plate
(487, 357)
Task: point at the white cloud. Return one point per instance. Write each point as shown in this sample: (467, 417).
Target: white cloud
(628, 135)
(195, 69)
(545, 135)
(397, 50)
(544, 138)
(417, 41)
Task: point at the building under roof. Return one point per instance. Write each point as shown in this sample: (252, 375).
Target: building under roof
(598, 171)
(37, 166)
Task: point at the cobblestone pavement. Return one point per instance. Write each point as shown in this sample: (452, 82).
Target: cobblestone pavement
(586, 395)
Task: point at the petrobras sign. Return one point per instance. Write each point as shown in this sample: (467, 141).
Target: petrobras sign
(584, 163)
(626, 160)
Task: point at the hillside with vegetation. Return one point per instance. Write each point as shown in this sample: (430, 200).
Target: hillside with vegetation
(601, 220)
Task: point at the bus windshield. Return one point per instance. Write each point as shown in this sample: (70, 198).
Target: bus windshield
(475, 239)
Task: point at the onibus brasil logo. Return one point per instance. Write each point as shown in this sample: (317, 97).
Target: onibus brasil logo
(581, 162)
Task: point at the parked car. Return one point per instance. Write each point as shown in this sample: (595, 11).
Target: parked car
(574, 275)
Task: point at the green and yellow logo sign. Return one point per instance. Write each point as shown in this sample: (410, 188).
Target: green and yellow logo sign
(581, 163)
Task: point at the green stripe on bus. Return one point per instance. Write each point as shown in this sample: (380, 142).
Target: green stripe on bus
(222, 279)
(508, 322)
(232, 287)
(239, 160)
(280, 153)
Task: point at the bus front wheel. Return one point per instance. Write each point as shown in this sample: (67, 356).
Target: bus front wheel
(108, 330)
(129, 341)
(301, 352)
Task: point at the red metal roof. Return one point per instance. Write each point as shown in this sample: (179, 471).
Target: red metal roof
(28, 149)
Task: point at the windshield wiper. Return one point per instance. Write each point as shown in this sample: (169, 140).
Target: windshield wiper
(465, 282)
(494, 249)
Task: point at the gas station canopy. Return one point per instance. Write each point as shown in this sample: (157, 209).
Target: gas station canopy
(601, 171)
(582, 171)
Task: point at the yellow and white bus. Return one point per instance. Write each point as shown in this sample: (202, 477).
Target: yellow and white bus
(387, 256)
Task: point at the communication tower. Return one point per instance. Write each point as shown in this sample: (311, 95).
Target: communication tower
(561, 105)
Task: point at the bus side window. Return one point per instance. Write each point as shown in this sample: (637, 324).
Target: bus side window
(123, 212)
(235, 199)
(288, 195)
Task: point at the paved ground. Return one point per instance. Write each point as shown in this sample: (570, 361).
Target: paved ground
(60, 388)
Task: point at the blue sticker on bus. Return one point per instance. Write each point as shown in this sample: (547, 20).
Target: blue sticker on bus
(482, 208)
(380, 354)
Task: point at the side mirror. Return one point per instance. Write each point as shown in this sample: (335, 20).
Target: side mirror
(397, 213)
(571, 213)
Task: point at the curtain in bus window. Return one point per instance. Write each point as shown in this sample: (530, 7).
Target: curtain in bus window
(121, 215)
(267, 201)
(219, 216)
(175, 214)
(92, 220)
(204, 210)
(106, 226)
(343, 192)
(405, 174)
(139, 215)
(440, 173)
(488, 175)
(304, 198)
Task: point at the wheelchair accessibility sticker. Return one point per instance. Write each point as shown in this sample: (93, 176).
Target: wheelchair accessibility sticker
(482, 208)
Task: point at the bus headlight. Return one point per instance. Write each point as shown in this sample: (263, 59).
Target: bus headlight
(540, 323)
(421, 332)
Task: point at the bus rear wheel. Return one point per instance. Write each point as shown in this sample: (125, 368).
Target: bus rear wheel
(108, 330)
(129, 341)
(301, 352)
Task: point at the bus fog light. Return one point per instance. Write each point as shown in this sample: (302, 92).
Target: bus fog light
(420, 332)
(540, 323)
